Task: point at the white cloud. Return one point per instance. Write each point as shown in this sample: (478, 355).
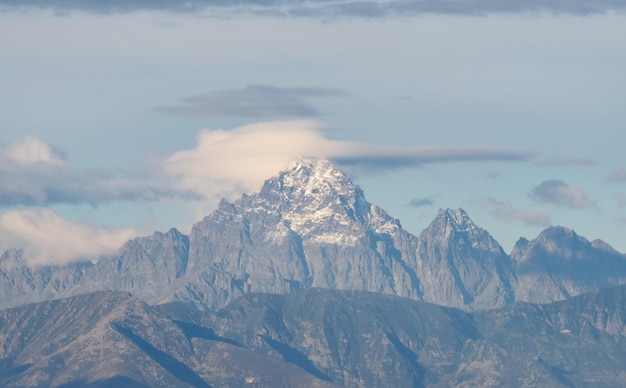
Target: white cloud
(48, 238)
(242, 158)
(31, 150)
(618, 173)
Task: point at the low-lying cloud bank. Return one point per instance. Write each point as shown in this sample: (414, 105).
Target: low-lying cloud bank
(47, 238)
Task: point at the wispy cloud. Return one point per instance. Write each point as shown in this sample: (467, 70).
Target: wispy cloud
(388, 157)
(421, 202)
(558, 192)
(506, 211)
(47, 238)
(621, 199)
(257, 101)
(562, 162)
(325, 8)
(618, 173)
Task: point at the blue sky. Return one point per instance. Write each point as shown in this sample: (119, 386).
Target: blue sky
(120, 119)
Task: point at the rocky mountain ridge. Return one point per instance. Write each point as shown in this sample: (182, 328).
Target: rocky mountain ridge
(311, 226)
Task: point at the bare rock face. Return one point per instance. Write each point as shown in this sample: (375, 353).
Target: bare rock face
(559, 264)
(461, 265)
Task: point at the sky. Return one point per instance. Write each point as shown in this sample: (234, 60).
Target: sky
(120, 118)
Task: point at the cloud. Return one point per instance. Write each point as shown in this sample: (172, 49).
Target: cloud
(389, 157)
(505, 211)
(48, 238)
(242, 158)
(32, 150)
(257, 101)
(420, 202)
(557, 192)
(618, 173)
(34, 173)
(222, 163)
(325, 8)
(561, 162)
(621, 199)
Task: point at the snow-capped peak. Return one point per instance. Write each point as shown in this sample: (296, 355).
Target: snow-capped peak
(315, 176)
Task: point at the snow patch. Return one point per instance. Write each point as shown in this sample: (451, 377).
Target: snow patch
(335, 239)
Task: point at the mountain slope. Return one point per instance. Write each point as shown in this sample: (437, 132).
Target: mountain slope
(108, 339)
(366, 339)
(313, 338)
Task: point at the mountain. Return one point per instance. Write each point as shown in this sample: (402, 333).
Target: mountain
(306, 283)
(461, 265)
(311, 226)
(308, 227)
(314, 338)
(559, 264)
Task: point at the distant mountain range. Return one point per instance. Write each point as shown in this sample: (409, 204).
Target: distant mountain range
(298, 285)
(311, 226)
